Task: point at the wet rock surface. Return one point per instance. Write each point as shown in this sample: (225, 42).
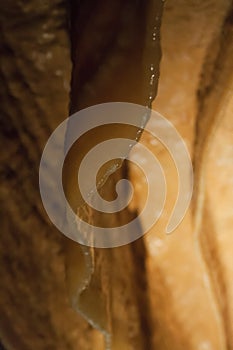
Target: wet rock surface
(180, 290)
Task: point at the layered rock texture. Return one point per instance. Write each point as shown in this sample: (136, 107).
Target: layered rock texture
(161, 292)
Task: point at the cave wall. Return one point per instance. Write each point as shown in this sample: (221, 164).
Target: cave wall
(186, 276)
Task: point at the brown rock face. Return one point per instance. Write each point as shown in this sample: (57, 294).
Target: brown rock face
(189, 278)
(35, 74)
(161, 292)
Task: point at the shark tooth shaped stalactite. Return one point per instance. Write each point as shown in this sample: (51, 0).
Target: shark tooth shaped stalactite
(116, 55)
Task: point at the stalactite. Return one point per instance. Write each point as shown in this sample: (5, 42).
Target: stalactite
(115, 54)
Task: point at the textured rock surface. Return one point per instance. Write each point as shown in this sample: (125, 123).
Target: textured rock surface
(191, 301)
(190, 272)
(35, 74)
